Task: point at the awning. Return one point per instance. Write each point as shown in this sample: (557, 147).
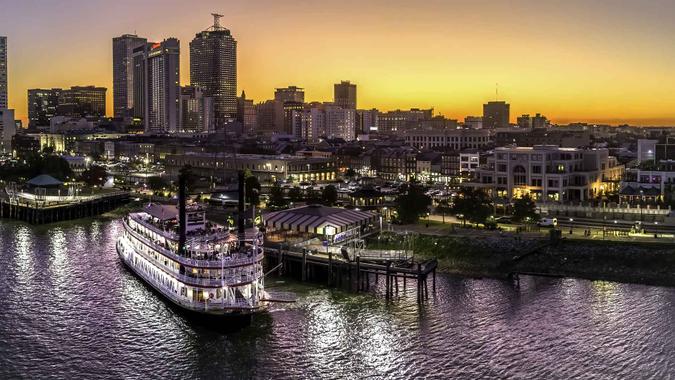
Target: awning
(314, 218)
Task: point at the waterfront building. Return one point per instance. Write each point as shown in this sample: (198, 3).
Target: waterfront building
(454, 139)
(344, 95)
(123, 73)
(496, 115)
(267, 168)
(549, 173)
(3, 73)
(162, 65)
(7, 130)
(213, 67)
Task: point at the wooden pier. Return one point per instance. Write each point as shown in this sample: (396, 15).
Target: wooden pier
(354, 275)
(37, 213)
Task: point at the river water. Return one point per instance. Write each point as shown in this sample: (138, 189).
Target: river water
(69, 309)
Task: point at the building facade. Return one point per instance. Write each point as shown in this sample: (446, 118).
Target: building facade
(213, 67)
(496, 115)
(123, 73)
(3, 73)
(7, 130)
(196, 111)
(162, 65)
(452, 139)
(42, 105)
(267, 168)
(549, 173)
(344, 95)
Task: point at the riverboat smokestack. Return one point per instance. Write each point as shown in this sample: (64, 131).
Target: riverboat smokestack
(242, 207)
(182, 217)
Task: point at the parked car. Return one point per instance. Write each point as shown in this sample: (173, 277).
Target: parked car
(547, 222)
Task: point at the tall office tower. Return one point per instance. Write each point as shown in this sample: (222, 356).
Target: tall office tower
(123, 73)
(42, 104)
(139, 80)
(290, 94)
(162, 68)
(3, 72)
(496, 115)
(246, 113)
(82, 101)
(7, 130)
(196, 111)
(213, 67)
(345, 95)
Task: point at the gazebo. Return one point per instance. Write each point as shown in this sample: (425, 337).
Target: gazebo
(44, 180)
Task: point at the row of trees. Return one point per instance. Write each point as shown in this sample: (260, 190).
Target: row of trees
(280, 199)
(472, 205)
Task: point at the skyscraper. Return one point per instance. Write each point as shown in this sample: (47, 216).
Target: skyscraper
(162, 84)
(345, 95)
(213, 67)
(82, 101)
(3, 72)
(139, 79)
(123, 73)
(496, 115)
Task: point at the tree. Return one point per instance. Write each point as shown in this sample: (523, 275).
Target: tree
(277, 199)
(412, 203)
(312, 196)
(94, 176)
(524, 209)
(252, 190)
(157, 183)
(350, 173)
(444, 208)
(329, 195)
(295, 194)
(473, 204)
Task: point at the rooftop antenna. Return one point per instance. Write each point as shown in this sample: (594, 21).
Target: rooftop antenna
(496, 91)
(216, 21)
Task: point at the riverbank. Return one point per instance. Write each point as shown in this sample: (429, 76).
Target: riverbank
(499, 256)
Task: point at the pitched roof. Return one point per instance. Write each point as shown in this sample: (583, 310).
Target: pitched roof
(44, 180)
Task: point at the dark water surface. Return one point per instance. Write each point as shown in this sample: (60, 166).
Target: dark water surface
(70, 310)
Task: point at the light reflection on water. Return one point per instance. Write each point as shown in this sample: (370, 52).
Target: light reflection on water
(69, 309)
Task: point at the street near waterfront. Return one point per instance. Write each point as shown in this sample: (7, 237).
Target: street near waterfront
(69, 309)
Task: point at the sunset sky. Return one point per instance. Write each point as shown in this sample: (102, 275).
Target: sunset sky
(577, 60)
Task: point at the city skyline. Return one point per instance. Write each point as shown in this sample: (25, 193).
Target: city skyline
(608, 66)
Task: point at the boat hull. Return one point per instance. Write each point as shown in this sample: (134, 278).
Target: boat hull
(222, 319)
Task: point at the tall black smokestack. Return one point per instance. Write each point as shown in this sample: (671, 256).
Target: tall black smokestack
(242, 199)
(182, 218)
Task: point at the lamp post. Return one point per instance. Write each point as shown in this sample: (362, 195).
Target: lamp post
(656, 229)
